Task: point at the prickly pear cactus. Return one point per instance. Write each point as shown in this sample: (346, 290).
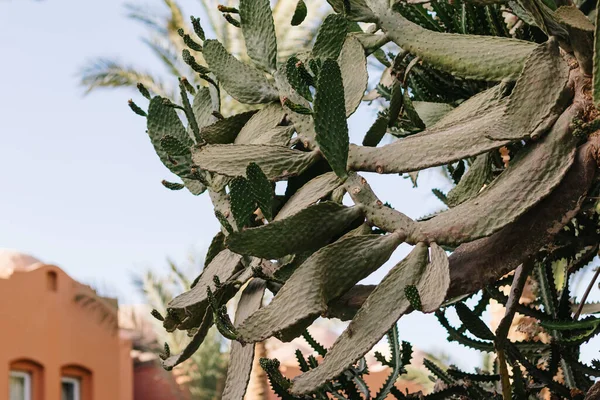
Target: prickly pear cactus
(461, 83)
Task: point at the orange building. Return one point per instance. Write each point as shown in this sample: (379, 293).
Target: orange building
(58, 339)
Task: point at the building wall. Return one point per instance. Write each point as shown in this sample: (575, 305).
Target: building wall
(152, 382)
(41, 322)
(125, 369)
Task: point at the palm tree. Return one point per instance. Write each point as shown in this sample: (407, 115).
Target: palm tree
(167, 45)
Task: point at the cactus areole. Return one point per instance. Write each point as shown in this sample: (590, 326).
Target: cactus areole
(509, 111)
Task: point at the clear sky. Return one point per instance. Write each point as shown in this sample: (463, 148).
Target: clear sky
(81, 181)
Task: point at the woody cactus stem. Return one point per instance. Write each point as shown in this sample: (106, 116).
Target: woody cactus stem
(310, 249)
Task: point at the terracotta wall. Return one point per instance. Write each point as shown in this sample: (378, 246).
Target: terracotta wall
(125, 369)
(43, 325)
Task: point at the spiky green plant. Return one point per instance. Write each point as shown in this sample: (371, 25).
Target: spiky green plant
(170, 32)
(465, 80)
(203, 373)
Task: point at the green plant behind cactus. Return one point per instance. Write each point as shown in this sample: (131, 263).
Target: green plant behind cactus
(506, 90)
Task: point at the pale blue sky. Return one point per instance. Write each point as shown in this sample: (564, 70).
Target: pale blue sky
(81, 182)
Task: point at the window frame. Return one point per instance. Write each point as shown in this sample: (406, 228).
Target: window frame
(76, 385)
(26, 379)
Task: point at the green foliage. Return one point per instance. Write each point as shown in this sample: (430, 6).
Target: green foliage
(261, 189)
(207, 367)
(242, 201)
(136, 109)
(412, 295)
(351, 383)
(243, 82)
(226, 130)
(330, 38)
(350, 260)
(172, 185)
(468, 90)
(472, 322)
(277, 162)
(330, 117)
(259, 32)
(297, 77)
(295, 233)
(300, 13)
(376, 132)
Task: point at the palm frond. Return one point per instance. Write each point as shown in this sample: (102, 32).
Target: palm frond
(168, 57)
(215, 18)
(174, 22)
(107, 73)
(179, 276)
(106, 312)
(158, 291)
(146, 17)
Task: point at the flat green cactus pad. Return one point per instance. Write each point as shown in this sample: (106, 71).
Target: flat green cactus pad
(330, 37)
(224, 265)
(295, 233)
(459, 54)
(313, 191)
(540, 94)
(571, 16)
(481, 103)
(472, 181)
(226, 130)
(258, 28)
(203, 107)
(240, 366)
(353, 66)
(333, 270)
(527, 180)
(444, 145)
(376, 132)
(430, 113)
(242, 201)
(330, 117)
(264, 120)
(162, 121)
(304, 124)
(277, 162)
(193, 345)
(386, 304)
(299, 13)
(243, 82)
(261, 189)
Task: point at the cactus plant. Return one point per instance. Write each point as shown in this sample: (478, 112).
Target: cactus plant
(462, 84)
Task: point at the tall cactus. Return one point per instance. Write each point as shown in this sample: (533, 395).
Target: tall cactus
(530, 94)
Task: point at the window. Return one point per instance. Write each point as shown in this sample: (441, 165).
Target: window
(76, 383)
(70, 389)
(52, 281)
(26, 380)
(19, 386)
